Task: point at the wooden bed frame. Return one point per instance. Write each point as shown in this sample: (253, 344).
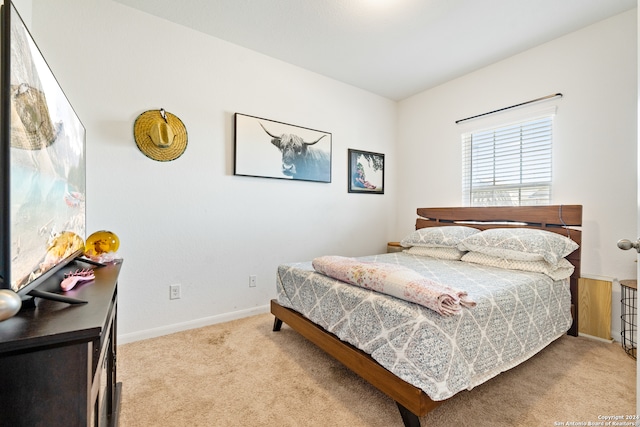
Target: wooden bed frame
(412, 401)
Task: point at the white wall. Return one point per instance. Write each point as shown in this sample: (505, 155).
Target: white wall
(191, 221)
(594, 143)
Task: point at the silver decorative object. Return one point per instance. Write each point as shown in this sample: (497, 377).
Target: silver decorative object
(10, 304)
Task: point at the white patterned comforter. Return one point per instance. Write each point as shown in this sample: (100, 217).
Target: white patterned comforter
(517, 314)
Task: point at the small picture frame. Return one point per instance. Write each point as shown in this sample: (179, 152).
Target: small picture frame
(270, 149)
(366, 172)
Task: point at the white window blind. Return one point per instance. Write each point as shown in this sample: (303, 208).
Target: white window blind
(508, 165)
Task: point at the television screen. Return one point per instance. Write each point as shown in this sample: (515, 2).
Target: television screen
(44, 148)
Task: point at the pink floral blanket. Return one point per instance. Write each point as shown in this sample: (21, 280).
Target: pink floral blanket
(395, 280)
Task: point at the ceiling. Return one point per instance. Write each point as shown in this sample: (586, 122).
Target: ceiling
(394, 48)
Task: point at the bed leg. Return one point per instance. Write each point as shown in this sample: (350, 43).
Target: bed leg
(408, 418)
(277, 324)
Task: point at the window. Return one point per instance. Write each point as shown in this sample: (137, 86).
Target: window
(508, 165)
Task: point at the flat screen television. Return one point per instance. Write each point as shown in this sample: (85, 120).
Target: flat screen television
(42, 165)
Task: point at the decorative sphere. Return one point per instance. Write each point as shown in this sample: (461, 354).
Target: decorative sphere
(101, 242)
(10, 304)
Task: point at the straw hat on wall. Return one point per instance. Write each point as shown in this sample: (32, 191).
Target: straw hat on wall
(160, 135)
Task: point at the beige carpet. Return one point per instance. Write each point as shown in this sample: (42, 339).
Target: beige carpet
(241, 373)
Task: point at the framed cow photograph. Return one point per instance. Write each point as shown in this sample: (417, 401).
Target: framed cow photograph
(271, 149)
(366, 172)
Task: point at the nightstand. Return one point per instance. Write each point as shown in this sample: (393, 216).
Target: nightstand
(394, 247)
(594, 308)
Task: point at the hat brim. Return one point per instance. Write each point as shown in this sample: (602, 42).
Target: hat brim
(141, 130)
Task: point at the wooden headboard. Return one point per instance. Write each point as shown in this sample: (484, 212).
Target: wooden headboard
(561, 219)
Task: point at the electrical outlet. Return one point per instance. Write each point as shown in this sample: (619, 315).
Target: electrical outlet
(174, 291)
(252, 281)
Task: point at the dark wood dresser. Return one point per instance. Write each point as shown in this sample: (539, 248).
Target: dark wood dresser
(58, 360)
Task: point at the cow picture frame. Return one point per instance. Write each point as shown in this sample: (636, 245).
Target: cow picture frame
(270, 149)
(366, 172)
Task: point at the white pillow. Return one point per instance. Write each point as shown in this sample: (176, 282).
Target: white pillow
(560, 271)
(524, 244)
(438, 237)
(452, 254)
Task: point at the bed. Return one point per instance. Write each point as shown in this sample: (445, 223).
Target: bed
(327, 311)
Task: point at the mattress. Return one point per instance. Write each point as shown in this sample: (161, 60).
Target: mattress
(517, 314)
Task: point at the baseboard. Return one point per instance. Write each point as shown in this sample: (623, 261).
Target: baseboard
(192, 324)
(580, 334)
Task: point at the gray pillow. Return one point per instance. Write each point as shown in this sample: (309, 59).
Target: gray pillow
(452, 254)
(559, 271)
(438, 237)
(524, 244)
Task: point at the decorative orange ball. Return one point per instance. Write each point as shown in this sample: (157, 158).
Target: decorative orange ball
(101, 242)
